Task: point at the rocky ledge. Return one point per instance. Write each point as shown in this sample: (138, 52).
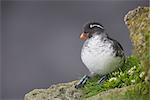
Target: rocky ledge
(62, 91)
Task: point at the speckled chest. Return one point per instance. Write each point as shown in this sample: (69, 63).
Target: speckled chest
(98, 46)
(98, 55)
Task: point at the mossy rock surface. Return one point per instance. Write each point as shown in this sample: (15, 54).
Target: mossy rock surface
(131, 92)
(138, 23)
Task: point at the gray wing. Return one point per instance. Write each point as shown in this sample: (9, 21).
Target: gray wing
(118, 49)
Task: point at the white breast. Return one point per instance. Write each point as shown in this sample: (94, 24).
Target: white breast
(98, 56)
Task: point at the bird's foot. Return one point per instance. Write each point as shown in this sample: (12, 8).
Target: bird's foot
(82, 81)
(102, 79)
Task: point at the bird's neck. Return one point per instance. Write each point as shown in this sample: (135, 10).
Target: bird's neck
(100, 35)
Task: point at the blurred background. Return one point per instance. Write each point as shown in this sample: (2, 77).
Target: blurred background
(40, 43)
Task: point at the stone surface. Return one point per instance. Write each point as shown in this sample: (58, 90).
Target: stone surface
(66, 91)
(62, 91)
(138, 23)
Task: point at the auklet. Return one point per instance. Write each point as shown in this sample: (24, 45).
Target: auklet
(100, 53)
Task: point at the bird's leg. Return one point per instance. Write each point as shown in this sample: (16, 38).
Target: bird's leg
(82, 81)
(102, 79)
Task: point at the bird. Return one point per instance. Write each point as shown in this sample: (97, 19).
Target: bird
(100, 53)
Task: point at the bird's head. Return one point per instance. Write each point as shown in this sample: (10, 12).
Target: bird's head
(90, 29)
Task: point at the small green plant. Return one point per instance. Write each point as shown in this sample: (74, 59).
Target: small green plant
(139, 91)
(130, 73)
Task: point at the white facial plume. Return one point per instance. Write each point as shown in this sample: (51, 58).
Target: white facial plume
(91, 26)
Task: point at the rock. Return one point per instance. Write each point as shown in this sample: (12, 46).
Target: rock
(66, 91)
(62, 91)
(138, 23)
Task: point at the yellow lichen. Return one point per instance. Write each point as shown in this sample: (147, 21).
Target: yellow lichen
(138, 22)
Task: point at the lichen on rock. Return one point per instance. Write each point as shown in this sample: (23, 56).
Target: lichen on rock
(138, 23)
(62, 91)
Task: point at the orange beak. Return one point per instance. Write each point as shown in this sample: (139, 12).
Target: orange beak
(84, 36)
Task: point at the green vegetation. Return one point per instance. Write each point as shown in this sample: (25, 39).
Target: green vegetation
(131, 73)
(140, 91)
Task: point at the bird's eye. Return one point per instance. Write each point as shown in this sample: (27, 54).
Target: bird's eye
(91, 26)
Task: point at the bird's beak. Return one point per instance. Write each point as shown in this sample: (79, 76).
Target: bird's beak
(84, 36)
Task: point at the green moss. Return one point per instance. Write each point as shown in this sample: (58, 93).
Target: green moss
(139, 91)
(130, 73)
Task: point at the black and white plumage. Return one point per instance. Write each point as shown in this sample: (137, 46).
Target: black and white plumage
(100, 54)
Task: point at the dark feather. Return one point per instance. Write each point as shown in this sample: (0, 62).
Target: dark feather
(118, 49)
